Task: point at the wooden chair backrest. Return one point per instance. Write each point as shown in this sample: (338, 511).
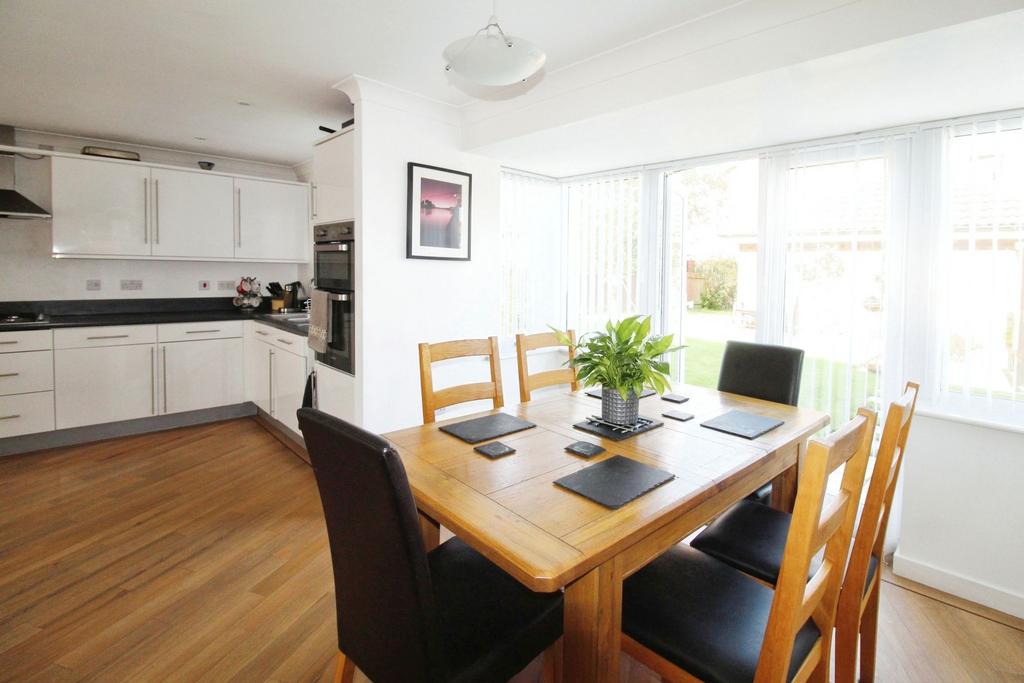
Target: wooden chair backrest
(431, 353)
(870, 538)
(547, 378)
(816, 523)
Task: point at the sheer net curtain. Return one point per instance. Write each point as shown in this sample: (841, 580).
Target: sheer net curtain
(834, 234)
(532, 254)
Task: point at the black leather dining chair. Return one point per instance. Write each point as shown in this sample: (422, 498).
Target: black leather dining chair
(405, 615)
(764, 371)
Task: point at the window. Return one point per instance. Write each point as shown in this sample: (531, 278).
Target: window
(710, 253)
(983, 351)
(604, 248)
(835, 219)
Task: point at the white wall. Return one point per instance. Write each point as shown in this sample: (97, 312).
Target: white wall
(962, 527)
(28, 271)
(406, 301)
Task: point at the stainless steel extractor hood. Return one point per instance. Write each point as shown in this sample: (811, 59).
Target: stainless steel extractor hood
(13, 204)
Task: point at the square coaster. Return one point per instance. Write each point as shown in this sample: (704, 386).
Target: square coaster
(677, 415)
(675, 398)
(584, 449)
(495, 449)
(615, 481)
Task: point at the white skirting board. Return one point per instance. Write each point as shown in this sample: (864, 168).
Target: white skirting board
(959, 585)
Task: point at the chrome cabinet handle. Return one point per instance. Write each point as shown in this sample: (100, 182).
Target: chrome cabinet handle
(263, 334)
(238, 213)
(15, 341)
(156, 209)
(285, 341)
(313, 193)
(271, 381)
(165, 378)
(9, 417)
(145, 210)
(200, 331)
(152, 380)
(109, 336)
(10, 374)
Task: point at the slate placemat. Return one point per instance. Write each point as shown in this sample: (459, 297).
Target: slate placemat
(487, 427)
(615, 481)
(740, 423)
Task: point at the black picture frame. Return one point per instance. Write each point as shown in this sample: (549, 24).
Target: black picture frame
(414, 239)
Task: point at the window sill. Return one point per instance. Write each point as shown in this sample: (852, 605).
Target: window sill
(940, 414)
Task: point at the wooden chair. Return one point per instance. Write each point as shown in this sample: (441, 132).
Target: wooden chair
(432, 353)
(405, 614)
(690, 617)
(547, 378)
(858, 601)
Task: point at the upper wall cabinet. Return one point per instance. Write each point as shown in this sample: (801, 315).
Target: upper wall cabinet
(273, 221)
(193, 215)
(100, 208)
(104, 209)
(333, 173)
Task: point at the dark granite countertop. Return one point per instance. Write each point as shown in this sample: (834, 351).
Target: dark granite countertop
(90, 313)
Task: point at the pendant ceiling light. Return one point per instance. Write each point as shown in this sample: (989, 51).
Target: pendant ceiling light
(492, 57)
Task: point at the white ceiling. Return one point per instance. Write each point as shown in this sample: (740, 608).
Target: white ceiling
(164, 72)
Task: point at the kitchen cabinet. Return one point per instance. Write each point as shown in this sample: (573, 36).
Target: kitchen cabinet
(100, 208)
(118, 209)
(26, 382)
(333, 176)
(272, 221)
(201, 374)
(104, 384)
(193, 214)
(276, 365)
(288, 383)
(335, 392)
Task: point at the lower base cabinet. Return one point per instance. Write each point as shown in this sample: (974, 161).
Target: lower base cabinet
(288, 385)
(105, 384)
(201, 374)
(26, 414)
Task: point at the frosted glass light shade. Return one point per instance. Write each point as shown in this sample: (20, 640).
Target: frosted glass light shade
(488, 60)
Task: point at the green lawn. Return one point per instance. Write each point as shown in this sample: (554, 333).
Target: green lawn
(704, 357)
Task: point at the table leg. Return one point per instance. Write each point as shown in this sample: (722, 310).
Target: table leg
(784, 485)
(593, 622)
(431, 532)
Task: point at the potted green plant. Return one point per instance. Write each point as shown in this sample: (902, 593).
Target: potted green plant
(624, 360)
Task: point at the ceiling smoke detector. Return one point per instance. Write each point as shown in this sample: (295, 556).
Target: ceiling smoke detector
(492, 57)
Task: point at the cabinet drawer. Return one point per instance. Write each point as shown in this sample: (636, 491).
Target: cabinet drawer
(286, 341)
(26, 340)
(113, 335)
(218, 329)
(26, 414)
(21, 373)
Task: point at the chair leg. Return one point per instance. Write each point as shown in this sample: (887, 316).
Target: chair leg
(553, 663)
(820, 674)
(846, 650)
(869, 635)
(345, 671)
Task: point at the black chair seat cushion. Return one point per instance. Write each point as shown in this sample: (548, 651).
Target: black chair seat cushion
(491, 625)
(752, 538)
(704, 616)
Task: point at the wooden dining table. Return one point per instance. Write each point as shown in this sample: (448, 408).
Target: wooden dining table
(549, 538)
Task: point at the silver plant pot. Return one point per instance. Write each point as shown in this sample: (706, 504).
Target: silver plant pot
(617, 410)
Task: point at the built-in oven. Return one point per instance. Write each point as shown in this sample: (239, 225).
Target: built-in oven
(334, 256)
(341, 352)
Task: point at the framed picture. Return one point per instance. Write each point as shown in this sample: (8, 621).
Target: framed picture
(440, 203)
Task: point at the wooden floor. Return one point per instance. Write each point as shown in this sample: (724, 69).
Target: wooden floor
(200, 554)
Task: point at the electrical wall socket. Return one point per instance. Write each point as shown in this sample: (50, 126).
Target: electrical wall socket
(131, 285)
(93, 285)
(226, 285)
(204, 285)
